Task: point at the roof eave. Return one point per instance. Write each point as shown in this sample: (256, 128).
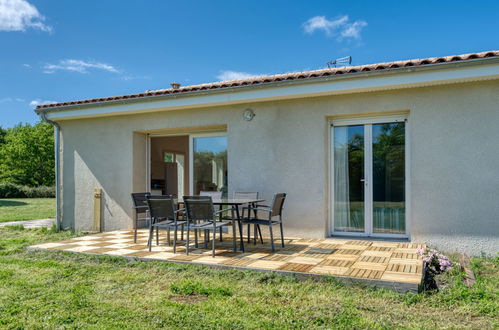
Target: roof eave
(301, 81)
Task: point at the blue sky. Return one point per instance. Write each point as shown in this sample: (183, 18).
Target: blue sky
(65, 50)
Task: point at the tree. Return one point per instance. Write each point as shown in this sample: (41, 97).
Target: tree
(3, 132)
(27, 155)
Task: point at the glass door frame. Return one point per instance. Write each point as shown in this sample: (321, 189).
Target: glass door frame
(367, 122)
(149, 136)
(191, 155)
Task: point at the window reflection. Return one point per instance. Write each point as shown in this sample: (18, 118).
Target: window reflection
(389, 178)
(210, 164)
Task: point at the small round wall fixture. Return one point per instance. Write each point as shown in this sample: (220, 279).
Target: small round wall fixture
(248, 114)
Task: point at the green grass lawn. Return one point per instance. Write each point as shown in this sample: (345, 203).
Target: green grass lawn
(51, 289)
(26, 208)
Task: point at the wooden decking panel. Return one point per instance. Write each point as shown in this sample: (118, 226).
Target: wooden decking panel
(389, 264)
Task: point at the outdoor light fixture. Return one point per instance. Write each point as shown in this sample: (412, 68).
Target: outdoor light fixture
(248, 114)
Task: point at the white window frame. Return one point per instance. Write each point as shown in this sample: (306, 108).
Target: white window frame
(368, 121)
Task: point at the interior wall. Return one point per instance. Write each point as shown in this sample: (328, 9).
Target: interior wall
(139, 161)
(177, 144)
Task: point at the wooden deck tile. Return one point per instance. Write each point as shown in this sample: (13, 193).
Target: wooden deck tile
(386, 262)
(265, 264)
(336, 263)
(401, 268)
(405, 261)
(305, 260)
(377, 259)
(100, 250)
(296, 267)
(328, 246)
(386, 254)
(141, 254)
(364, 273)
(354, 247)
(210, 259)
(185, 257)
(330, 270)
(405, 250)
(348, 257)
(277, 257)
(80, 248)
(369, 265)
(349, 252)
(364, 243)
(381, 249)
(159, 255)
(404, 255)
(238, 262)
(384, 244)
(402, 277)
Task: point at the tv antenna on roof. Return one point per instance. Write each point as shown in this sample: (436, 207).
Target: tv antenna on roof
(342, 61)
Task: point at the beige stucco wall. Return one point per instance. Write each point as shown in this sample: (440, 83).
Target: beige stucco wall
(454, 160)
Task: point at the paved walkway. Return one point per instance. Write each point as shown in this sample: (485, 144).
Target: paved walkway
(378, 263)
(39, 223)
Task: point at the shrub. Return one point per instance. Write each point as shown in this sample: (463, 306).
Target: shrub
(12, 190)
(39, 192)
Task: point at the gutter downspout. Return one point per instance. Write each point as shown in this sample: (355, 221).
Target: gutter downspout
(57, 134)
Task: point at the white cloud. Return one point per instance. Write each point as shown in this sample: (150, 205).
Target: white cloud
(11, 99)
(38, 102)
(78, 66)
(353, 30)
(341, 27)
(19, 15)
(234, 75)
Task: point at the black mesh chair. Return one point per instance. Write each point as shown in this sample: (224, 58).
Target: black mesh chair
(201, 215)
(275, 210)
(141, 211)
(248, 195)
(163, 216)
(214, 195)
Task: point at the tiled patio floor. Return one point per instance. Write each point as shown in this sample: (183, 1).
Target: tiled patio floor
(379, 263)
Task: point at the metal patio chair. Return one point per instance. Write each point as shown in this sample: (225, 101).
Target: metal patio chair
(214, 195)
(201, 215)
(248, 195)
(163, 216)
(140, 207)
(275, 210)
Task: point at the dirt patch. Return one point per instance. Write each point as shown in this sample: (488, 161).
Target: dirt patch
(188, 299)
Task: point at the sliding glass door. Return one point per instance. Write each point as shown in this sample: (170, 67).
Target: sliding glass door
(209, 163)
(349, 191)
(369, 178)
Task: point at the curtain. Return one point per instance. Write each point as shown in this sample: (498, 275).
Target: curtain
(341, 180)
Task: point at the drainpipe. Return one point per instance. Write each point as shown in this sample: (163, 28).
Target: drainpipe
(57, 134)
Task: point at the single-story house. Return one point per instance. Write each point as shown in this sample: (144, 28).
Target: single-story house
(399, 150)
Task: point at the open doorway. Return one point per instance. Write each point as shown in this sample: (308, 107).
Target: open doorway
(169, 165)
(188, 164)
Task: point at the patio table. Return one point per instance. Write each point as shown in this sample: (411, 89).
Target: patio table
(236, 203)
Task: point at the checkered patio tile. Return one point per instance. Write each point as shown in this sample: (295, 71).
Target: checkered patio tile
(389, 263)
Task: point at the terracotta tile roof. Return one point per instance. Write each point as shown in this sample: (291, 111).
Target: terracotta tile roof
(284, 77)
